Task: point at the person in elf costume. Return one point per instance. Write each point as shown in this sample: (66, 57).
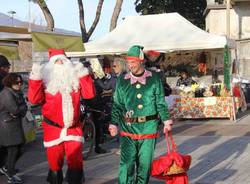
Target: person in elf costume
(58, 86)
(138, 102)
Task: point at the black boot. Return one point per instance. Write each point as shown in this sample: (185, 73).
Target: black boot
(100, 150)
(55, 177)
(74, 176)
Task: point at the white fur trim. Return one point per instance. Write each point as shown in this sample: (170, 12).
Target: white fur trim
(56, 57)
(67, 109)
(34, 76)
(63, 137)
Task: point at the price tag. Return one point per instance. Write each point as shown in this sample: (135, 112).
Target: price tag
(208, 101)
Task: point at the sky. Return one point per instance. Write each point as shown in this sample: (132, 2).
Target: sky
(66, 13)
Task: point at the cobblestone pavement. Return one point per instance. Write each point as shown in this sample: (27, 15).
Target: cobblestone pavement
(219, 148)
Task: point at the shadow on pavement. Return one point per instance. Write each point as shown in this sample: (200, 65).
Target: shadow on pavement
(194, 143)
(220, 175)
(230, 149)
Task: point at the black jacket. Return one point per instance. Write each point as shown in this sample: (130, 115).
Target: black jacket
(12, 109)
(2, 75)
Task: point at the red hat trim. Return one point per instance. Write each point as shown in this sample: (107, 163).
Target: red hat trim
(133, 58)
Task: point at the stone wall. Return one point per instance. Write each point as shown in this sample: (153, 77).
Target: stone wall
(25, 57)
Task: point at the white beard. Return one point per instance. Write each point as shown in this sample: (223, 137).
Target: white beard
(62, 79)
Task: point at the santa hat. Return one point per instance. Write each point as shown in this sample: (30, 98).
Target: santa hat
(55, 54)
(135, 53)
(153, 53)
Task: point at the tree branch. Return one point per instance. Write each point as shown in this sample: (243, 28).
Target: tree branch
(115, 14)
(82, 21)
(47, 14)
(97, 18)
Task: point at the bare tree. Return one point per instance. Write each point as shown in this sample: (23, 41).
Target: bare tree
(48, 16)
(115, 14)
(86, 34)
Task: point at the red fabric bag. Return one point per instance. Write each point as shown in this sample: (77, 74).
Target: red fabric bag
(172, 166)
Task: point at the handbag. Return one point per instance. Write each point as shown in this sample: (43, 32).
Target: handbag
(172, 163)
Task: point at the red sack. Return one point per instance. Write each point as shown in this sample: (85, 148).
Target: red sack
(172, 166)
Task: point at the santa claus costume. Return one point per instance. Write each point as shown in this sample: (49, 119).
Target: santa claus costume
(58, 88)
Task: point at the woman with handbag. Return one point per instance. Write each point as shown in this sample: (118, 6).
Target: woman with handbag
(12, 109)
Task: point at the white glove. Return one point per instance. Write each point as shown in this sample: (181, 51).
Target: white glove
(107, 76)
(167, 126)
(36, 71)
(81, 70)
(113, 130)
(79, 66)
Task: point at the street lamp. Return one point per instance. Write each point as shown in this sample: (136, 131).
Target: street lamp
(29, 28)
(228, 18)
(12, 13)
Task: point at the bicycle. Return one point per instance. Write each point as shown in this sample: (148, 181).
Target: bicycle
(88, 131)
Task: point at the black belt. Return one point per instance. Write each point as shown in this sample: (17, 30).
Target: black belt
(48, 121)
(141, 119)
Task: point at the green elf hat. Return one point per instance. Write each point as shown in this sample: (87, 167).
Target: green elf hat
(135, 53)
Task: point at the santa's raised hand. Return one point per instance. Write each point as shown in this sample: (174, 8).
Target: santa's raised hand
(36, 71)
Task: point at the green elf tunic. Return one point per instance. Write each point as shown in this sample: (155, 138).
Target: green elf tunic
(140, 99)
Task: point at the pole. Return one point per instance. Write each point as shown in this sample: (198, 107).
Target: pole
(29, 28)
(12, 16)
(228, 18)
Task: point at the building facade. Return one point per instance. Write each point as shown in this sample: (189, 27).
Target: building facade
(215, 16)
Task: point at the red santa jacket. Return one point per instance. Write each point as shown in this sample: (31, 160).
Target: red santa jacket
(52, 109)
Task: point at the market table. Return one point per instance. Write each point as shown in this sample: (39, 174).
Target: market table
(204, 107)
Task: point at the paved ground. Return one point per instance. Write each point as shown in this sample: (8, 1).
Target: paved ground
(219, 148)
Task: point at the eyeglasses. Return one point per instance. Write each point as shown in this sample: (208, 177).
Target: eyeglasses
(19, 82)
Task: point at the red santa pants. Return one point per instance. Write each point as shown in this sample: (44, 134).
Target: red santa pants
(73, 152)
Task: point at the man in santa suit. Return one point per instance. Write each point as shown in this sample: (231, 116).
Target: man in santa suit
(58, 86)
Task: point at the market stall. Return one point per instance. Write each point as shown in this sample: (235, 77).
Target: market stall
(171, 34)
(209, 92)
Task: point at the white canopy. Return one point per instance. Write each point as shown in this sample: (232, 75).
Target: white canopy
(162, 32)
(14, 36)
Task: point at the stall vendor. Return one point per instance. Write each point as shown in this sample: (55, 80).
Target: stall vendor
(185, 79)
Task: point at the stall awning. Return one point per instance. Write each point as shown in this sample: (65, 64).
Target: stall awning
(43, 41)
(10, 51)
(163, 32)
